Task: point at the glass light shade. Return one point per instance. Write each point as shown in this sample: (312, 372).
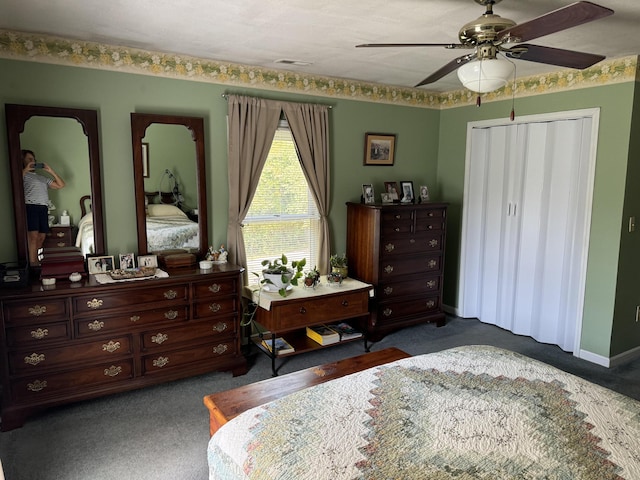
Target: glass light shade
(485, 75)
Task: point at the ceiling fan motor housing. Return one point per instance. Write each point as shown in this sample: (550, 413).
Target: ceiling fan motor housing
(484, 29)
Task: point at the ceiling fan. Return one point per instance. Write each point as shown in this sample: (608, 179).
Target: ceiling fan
(490, 34)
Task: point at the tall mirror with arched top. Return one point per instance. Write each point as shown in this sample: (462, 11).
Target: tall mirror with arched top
(170, 186)
(66, 140)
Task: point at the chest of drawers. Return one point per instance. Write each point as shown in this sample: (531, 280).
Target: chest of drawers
(60, 236)
(400, 250)
(84, 340)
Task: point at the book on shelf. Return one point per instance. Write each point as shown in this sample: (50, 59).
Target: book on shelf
(323, 335)
(346, 331)
(281, 345)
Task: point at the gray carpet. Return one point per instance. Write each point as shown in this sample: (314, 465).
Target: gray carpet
(161, 432)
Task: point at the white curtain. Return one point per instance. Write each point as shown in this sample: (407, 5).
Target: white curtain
(526, 221)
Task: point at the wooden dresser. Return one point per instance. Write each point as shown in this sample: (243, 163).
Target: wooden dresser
(400, 250)
(82, 340)
(60, 236)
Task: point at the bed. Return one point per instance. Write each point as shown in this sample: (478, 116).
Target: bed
(168, 227)
(473, 412)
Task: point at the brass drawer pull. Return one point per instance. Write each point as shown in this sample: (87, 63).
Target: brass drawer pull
(37, 385)
(60, 234)
(34, 359)
(388, 269)
(159, 338)
(345, 303)
(111, 346)
(397, 229)
(220, 349)
(170, 294)
(412, 241)
(387, 312)
(431, 284)
(171, 315)
(430, 214)
(214, 288)
(433, 243)
(215, 307)
(220, 327)
(431, 304)
(303, 310)
(430, 227)
(398, 216)
(37, 310)
(94, 303)
(161, 362)
(432, 263)
(134, 318)
(112, 371)
(389, 247)
(40, 333)
(96, 325)
(61, 244)
(388, 290)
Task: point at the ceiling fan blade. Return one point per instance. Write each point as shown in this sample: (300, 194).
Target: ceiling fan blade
(554, 56)
(566, 17)
(445, 45)
(448, 68)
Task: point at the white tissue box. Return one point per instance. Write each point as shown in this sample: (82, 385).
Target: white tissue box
(65, 220)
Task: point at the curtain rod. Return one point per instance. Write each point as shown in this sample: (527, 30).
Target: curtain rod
(226, 96)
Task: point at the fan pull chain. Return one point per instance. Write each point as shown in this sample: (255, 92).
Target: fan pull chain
(512, 116)
(478, 99)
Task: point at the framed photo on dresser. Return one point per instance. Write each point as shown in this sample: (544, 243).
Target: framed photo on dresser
(100, 264)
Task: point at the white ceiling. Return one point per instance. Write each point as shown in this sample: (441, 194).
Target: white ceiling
(259, 32)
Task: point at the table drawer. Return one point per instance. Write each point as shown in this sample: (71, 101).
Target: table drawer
(166, 361)
(205, 331)
(99, 302)
(216, 307)
(33, 388)
(311, 311)
(36, 359)
(215, 287)
(43, 310)
(38, 334)
(173, 314)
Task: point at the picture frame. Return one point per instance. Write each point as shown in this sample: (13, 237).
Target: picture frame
(368, 195)
(406, 189)
(424, 193)
(386, 198)
(99, 264)
(145, 160)
(147, 261)
(392, 189)
(127, 261)
(379, 149)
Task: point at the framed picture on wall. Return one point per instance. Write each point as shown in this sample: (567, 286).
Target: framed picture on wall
(406, 189)
(379, 148)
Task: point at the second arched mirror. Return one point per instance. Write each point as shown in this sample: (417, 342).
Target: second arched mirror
(170, 187)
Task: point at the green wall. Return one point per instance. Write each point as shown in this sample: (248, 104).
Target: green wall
(616, 108)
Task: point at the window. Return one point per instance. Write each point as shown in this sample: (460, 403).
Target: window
(283, 217)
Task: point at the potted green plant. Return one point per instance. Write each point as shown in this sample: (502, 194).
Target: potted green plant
(278, 274)
(312, 277)
(339, 264)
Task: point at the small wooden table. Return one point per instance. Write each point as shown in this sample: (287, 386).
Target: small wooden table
(224, 406)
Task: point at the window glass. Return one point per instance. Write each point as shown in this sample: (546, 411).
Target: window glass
(283, 217)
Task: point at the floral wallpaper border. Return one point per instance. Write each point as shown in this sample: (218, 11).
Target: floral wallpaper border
(48, 49)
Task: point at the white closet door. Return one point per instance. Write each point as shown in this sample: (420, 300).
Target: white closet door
(525, 223)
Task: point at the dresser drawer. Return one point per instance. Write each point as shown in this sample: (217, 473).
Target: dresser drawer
(226, 286)
(59, 237)
(172, 314)
(390, 312)
(44, 310)
(394, 267)
(99, 302)
(36, 359)
(167, 361)
(38, 334)
(33, 388)
(216, 307)
(410, 244)
(310, 311)
(194, 332)
(415, 286)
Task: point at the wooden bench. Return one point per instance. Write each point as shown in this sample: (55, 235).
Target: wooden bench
(224, 406)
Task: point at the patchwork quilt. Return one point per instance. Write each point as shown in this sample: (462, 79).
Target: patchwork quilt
(473, 412)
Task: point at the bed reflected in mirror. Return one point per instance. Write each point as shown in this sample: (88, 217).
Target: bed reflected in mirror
(168, 156)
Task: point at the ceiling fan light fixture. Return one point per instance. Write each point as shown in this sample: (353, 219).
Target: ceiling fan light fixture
(486, 75)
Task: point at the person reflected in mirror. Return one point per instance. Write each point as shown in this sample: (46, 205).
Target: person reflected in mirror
(36, 198)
